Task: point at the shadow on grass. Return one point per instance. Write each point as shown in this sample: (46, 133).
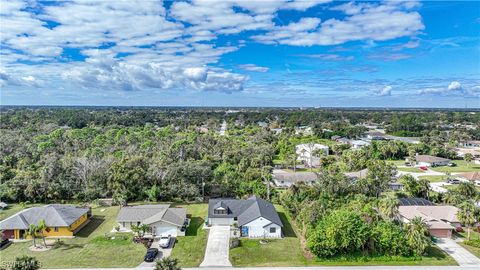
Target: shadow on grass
(195, 224)
(64, 246)
(287, 227)
(94, 223)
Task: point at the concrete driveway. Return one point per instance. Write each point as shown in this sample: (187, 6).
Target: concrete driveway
(460, 254)
(216, 253)
(162, 252)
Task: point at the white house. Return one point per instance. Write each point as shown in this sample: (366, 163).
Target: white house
(307, 153)
(161, 218)
(284, 179)
(254, 217)
(431, 161)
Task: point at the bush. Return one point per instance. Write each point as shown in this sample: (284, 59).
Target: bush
(340, 232)
(26, 263)
(389, 239)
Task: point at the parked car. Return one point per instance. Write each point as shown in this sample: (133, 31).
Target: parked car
(453, 181)
(451, 165)
(165, 241)
(5, 242)
(424, 168)
(151, 254)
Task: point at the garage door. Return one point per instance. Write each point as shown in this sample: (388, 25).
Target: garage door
(172, 231)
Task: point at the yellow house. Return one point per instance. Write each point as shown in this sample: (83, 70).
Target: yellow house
(60, 220)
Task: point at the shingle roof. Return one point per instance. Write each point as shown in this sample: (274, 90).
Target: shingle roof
(359, 174)
(430, 159)
(430, 212)
(151, 213)
(294, 177)
(55, 215)
(246, 210)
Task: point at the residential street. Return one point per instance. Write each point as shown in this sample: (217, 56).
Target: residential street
(216, 253)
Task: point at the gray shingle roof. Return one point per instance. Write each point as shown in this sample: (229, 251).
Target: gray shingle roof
(245, 210)
(294, 177)
(55, 215)
(151, 213)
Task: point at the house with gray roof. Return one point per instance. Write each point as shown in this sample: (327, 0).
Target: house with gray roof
(255, 217)
(60, 220)
(161, 218)
(284, 179)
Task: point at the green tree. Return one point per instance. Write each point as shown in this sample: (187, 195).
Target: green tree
(467, 189)
(340, 232)
(417, 235)
(389, 239)
(167, 263)
(26, 263)
(468, 158)
(388, 208)
(32, 232)
(41, 227)
(468, 215)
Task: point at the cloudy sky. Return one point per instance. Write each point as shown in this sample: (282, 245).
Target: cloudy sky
(240, 53)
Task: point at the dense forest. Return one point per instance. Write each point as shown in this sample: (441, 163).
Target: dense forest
(81, 154)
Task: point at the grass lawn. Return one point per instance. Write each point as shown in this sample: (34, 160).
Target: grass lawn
(399, 162)
(473, 236)
(288, 252)
(189, 249)
(89, 249)
(434, 178)
(462, 166)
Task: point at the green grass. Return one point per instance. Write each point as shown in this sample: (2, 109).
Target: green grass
(473, 236)
(434, 178)
(462, 166)
(89, 249)
(189, 249)
(288, 252)
(399, 162)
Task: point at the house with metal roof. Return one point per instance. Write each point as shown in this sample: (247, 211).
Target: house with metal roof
(255, 217)
(161, 219)
(61, 221)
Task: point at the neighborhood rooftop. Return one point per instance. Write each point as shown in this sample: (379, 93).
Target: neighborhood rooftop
(294, 177)
(245, 210)
(430, 159)
(55, 215)
(152, 213)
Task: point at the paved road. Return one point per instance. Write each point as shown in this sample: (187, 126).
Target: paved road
(216, 253)
(460, 254)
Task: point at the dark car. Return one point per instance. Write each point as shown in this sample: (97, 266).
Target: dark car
(151, 254)
(4, 243)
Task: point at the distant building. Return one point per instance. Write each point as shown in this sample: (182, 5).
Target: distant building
(375, 136)
(470, 144)
(283, 179)
(430, 161)
(356, 144)
(473, 177)
(304, 131)
(307, 153)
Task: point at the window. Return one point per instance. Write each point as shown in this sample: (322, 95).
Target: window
(220, 212)
(235, 218)
(273, 230)
(55, 229)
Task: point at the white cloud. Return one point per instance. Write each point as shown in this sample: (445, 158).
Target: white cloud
(253, 67)
(385, 91)
(454, 86)
(329, 57)
(364, 21)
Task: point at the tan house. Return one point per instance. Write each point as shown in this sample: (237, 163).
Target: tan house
(470, 176)
(440, 219)
(430, 161)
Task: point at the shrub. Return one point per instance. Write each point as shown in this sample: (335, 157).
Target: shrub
(340, 232)
(473, 243)
(26, 263)
(389, 239)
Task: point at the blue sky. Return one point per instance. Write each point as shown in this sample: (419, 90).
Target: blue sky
(241, 53)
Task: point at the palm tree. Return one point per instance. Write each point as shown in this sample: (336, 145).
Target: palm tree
(388, 208)
(167, 263)
(32, 231)
(417, 235)
(467, 189)
(468, 216)
(468, 158)
(41, 227)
